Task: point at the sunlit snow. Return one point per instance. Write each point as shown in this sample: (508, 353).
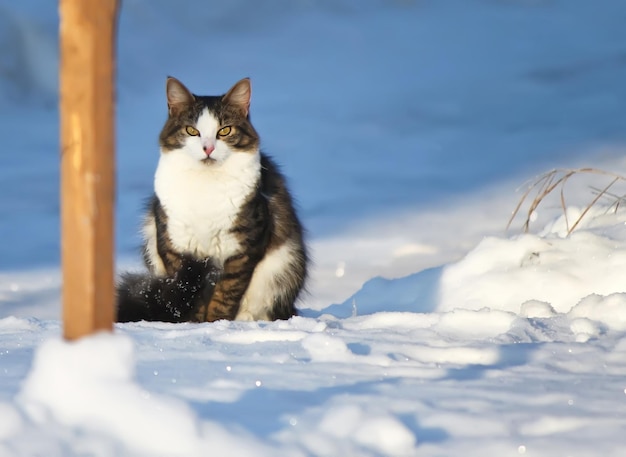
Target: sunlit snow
(408, 131)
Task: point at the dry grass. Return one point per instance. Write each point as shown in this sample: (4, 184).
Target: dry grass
(549, 182)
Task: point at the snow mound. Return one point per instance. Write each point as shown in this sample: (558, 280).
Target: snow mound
(88, 386)
(532, 275)
(609, 311)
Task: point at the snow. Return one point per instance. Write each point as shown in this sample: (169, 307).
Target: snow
(408, 131)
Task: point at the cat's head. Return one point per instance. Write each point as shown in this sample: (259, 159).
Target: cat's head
(209, 128)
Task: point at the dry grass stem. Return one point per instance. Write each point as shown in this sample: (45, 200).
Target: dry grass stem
(545, 185)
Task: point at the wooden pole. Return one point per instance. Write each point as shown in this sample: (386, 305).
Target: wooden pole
(87, 72)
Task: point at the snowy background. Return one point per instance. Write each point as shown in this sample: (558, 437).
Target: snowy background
(407, 130)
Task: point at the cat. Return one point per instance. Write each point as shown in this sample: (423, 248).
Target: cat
(222, 239)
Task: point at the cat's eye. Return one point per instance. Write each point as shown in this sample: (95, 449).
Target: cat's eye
(224, 131)
(192, 131)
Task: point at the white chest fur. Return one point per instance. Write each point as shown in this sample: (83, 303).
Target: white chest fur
(203, 200)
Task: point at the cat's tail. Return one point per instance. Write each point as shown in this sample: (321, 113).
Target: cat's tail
(166, 299)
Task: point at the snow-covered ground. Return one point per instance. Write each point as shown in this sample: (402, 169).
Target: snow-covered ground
(405, 129)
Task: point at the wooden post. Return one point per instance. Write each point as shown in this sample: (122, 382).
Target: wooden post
(87, 41)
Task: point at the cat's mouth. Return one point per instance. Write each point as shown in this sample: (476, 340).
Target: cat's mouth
(208, 159)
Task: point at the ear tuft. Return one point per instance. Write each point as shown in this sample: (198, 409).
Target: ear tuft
(178, 96)
(239, 95)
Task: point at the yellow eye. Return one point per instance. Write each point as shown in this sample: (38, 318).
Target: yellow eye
(192, 131)
(224, 131)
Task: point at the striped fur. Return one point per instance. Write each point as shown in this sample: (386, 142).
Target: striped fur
(221, 218)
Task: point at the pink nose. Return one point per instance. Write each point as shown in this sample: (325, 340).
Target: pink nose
(209, 149)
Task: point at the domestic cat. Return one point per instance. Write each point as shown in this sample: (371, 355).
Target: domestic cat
(222, 239)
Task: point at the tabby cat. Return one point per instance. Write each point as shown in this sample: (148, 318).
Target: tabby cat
(222, 239)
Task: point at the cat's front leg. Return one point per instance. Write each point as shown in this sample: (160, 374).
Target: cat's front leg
(231, 287)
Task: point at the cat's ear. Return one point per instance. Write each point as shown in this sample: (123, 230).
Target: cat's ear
(239, 96)
(178, 96)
